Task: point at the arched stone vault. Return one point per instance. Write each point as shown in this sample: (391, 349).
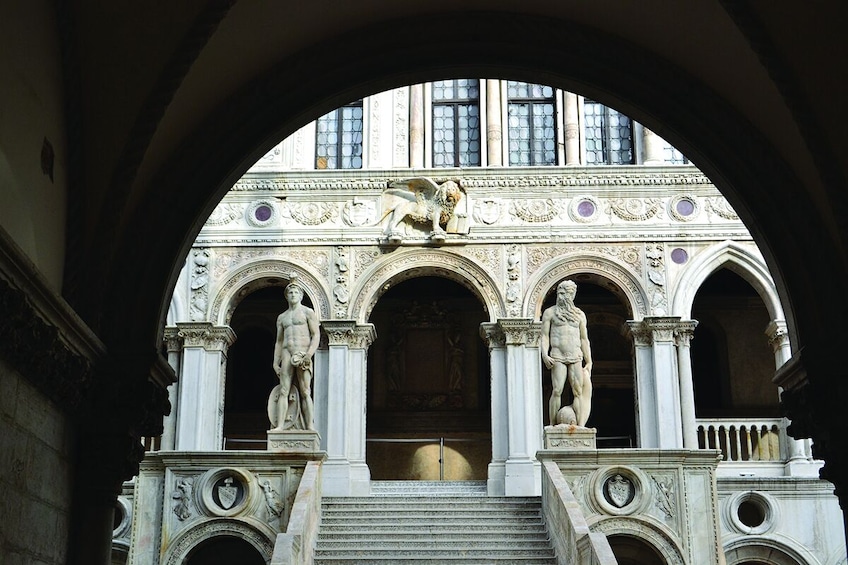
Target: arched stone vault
(742, 260)
(407, 264)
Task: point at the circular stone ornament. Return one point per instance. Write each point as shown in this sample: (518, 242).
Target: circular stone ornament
(683, 207)
(619, 490)
(261, 213)
(584, 208)
(751, 512)
(226, 491)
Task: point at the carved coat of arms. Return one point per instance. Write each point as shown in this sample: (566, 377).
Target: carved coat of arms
(227, 493)
(620, 491)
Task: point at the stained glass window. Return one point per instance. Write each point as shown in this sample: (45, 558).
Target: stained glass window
(531, 124)
(456, 123)
(338, 138)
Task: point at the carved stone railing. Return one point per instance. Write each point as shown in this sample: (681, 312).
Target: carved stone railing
(745, 439)
(296, 545)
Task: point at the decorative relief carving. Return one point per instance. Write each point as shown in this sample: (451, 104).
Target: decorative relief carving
(287, 444)
(365, 259)
(571, 443)
(521, 331)
(178, 552)
(261, 213)
(199, 300)
(634, 209)
(535, 210)
(272, 503)
(619, 491)
(312, 213)
(340, 291)
(492, 334)
(654, 252)
(224, 213)
(584, 209)
(487, 211)
(375, 129)
(719, 206)
(684, 207)
(489, 257)
(359, 212)
(401, 126)
(205, 335)
(182, 498)
(664, 495)
(591, 179)
(513, 283)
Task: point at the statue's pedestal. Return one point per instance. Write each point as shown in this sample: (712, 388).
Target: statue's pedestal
(567, 436)
(294, 441)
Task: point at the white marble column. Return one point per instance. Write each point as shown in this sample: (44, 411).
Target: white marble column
(516, 406)
(796, 449)
(572, 130)
(416, 126)
(658, 416)
(494, 129)
(345, 472)
(652, 146)
(683, 336)
(174, 347)
(200, 406)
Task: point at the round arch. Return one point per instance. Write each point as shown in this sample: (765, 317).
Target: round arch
(254, 276)
(654, 535)
(259, 536)
(742, 260)
(404, 265)
(568, 265)
(768, 551)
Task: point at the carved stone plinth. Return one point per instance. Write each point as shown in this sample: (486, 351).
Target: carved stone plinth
(564, 436)
(294, 441)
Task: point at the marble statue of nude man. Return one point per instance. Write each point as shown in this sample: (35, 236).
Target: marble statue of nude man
(297, 340)
(566, 352)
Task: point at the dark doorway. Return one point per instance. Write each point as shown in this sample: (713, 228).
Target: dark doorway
(629, 550)
(224, 550)
(428, 384)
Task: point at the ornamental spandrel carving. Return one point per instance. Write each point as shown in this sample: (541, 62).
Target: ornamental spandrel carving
(536, 210)
(634, 209)
(365, 259)
(655, 259)
(311, 213)
(631, 255)
(229, 259)
(489, 257)
(664, 495)
(199, 299)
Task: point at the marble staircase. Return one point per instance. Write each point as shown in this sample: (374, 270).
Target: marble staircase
(420, 522)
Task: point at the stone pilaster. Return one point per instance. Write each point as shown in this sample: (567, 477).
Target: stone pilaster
(200, 408)
(517, 403)
(416, 126)
(340, 401)
(173, 346)
(658, 416)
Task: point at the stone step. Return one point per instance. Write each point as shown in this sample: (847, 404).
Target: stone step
(434, 543)
(432, 517)
(419, 560)
(442, 527)
(429, 488)
(442, 501)
(397, 555)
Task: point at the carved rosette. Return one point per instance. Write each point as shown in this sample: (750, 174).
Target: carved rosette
(521, 331)
(312, 213)
(635, 209)
(205, 335)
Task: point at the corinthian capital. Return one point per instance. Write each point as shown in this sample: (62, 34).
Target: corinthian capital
(348, 332)
(205, 335)
(521, 331)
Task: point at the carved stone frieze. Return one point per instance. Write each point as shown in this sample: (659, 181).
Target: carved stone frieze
(594, 178)
(401, 126)
(224, 213)
(719, 206)
(312, 213)
(634, 209)
(536, 211)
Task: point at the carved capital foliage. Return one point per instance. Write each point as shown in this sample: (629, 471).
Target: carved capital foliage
(349, 333)
(685, 332)
(492, 334)
(777, 333)
(521, 331)
(172, 339)
(205, 335)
